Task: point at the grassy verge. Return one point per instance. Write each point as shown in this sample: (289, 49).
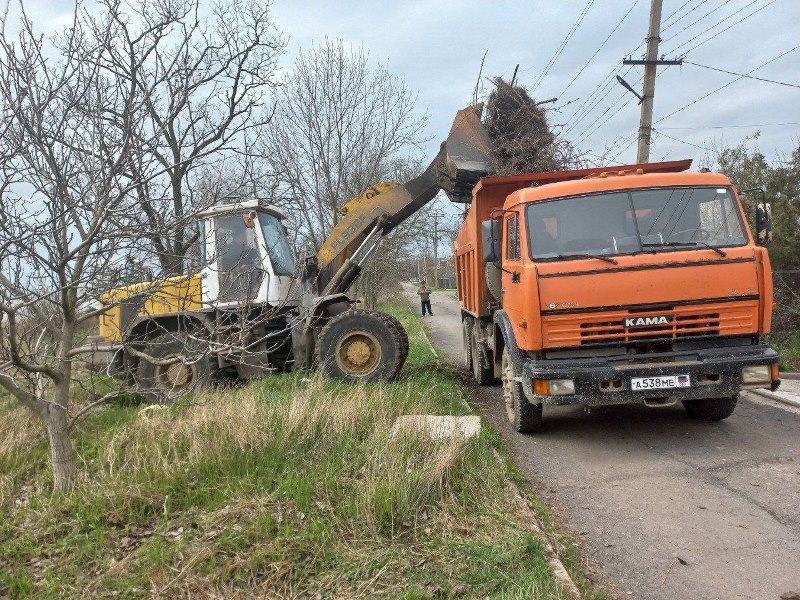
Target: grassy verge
(788, 346)
(286, 487)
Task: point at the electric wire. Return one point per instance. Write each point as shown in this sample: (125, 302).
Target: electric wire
(605, 41)
(705, 41)
(676, 11)
(722, 87)
(794, 85)
(702, 19)
(563, 44)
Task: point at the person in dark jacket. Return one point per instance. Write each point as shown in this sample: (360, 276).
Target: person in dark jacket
(425, 297)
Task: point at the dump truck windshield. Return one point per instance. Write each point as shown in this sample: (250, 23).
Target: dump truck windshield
(625, 222)
(280, 253)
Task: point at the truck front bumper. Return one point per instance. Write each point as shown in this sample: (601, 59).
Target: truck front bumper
(104, 355)
(713, 373)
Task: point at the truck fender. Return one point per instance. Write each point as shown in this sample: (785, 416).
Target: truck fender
(504, 338)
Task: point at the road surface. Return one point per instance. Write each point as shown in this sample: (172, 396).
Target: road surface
(663, 506)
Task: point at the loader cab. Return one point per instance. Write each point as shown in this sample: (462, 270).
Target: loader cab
(246, 255)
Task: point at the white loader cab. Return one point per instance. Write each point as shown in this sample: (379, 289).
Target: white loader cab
(246, 255)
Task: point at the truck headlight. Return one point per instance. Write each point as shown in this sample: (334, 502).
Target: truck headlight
(756, 374)
(553, 387)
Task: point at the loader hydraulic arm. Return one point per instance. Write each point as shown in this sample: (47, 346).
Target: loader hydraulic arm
(462, 160)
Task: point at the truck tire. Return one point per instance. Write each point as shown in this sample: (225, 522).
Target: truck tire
(163, 384)
(361, 346)
(466, 336)
(523, 416)
(711, 409)
(483, 375)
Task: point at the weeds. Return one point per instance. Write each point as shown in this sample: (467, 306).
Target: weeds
(284, 487)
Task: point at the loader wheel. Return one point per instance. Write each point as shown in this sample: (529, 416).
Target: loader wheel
(165, 383)
(523, 416)
(466, 337)
(483, 375)
(361, 346)
(711, 409)
(394, 324)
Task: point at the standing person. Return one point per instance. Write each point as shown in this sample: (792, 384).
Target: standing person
(425, 297)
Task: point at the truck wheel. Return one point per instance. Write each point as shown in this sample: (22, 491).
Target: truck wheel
(466, 335)
(165, 383)
(360, 346)
(483, 375)
(523, 416)
(711, 409)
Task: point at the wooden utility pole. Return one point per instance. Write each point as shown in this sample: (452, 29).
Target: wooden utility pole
(650, 62)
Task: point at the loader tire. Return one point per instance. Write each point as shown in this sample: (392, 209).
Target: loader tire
(711, 409)
(401, 332)
(523, 416)
(466, 338)
(361, 346)
(164, 384)
(484, 374)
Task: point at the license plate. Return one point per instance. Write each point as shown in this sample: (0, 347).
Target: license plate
(663, 382)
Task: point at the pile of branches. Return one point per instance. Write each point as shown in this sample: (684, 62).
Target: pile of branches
(522, 140)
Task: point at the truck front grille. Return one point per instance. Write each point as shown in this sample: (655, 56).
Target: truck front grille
(575, 329)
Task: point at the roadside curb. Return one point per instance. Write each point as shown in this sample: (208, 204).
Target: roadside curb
(775, 397)
(785, 375)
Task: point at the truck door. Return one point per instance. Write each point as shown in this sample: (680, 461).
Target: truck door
(512, 267)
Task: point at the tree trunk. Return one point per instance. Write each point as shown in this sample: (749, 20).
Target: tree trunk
(62, 457)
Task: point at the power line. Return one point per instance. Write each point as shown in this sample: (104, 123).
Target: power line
(697, 20)
(705, 41)
(676, 11)
(563, 44)
(794, 85)
(703, 97)
(729, 126)
(605, 41)
(659, 132)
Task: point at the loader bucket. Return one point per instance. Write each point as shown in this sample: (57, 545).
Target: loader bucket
(468, 154)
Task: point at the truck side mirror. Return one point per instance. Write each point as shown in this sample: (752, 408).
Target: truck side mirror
(763, 217)
(764, 224)
(490, 240)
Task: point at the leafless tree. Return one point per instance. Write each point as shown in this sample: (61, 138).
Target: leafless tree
(65, 146)
(204, 84)
(340, 126)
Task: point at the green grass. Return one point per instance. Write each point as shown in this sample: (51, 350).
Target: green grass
(284, 487)
(788, 346)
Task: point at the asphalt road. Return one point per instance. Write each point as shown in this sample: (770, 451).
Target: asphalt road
(663, 506)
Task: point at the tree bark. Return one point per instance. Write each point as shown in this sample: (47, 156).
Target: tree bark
(62, 456)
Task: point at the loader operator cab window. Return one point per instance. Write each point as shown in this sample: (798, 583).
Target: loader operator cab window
(238, 260)
(626, 222)
(276, 239)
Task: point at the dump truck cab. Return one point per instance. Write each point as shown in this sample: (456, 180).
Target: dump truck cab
(616, 286)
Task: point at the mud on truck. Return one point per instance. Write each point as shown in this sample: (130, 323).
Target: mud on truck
(637, 284)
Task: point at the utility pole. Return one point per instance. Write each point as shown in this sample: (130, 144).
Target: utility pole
(650, 62)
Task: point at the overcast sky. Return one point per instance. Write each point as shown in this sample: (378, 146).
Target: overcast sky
(437, 47)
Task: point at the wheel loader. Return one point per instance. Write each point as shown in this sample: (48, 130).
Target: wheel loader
(246, 314)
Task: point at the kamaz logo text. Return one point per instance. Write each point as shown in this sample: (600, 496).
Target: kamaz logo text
(646, 321)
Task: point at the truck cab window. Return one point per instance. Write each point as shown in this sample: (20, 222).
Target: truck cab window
(512, 238)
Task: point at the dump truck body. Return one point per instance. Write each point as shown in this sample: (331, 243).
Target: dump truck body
(632, 284)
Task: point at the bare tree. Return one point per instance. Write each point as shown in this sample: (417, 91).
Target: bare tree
(204, 85)
(340, 126)
(65, 147)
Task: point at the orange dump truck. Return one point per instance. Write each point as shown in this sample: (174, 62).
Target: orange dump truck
(631, 284)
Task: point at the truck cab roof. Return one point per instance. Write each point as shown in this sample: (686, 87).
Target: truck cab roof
(601, 183)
